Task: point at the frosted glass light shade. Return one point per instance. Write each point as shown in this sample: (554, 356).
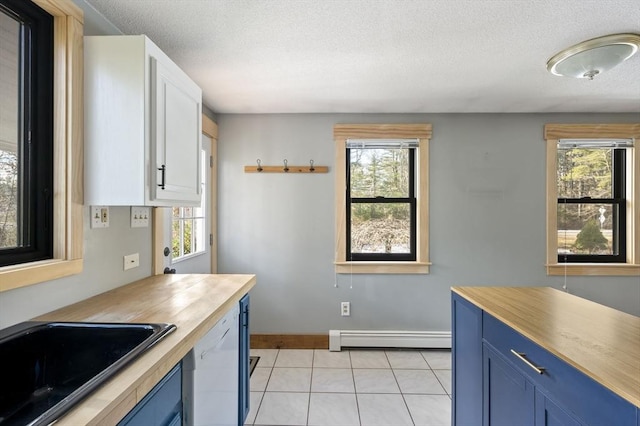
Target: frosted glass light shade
(595, 56)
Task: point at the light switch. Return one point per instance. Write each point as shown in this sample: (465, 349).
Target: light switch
(99, 216)
(140, 217)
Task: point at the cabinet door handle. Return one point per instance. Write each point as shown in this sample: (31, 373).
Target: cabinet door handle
(163, 169)
(522, 356)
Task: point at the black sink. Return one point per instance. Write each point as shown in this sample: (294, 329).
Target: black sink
(47, 367)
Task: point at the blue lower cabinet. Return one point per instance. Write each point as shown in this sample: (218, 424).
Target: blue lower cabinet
(549, 413)
(466, 351)
(508, 397)
(176, 421)
(243, 397)
(567, 390)
(162, 406)
(501, 377)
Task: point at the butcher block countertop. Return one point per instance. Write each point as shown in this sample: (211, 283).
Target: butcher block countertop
(194, 303)
(601, 342)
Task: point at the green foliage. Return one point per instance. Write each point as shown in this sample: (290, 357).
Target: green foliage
(175, 238)
(583, 173)
(187, 234)
(379, 172)
(590, 239)
(8, 199)
(379, 227)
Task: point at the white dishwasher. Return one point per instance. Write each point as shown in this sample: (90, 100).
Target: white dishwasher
(211, 375)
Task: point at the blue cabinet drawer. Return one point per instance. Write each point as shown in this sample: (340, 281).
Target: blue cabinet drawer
(162, 406)
(589, 401)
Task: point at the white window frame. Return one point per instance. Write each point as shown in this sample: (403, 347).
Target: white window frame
(182, 219)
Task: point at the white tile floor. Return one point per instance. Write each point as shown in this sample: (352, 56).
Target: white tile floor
(351, 388)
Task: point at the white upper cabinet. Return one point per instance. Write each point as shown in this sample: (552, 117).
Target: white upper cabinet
(143, 125)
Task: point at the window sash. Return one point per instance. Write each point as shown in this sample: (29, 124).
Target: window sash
(193, 246)
(618, 230)
(411, 200)
(34, 219)
(619, 220)
(411, 256)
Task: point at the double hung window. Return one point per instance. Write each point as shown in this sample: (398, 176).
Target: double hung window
(26, 133)
(40, 141)
(381, 200)
(593, 199)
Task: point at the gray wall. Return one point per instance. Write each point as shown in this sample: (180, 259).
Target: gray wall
(280, 227)
(487, 221)
(103, 271)
(103, 248)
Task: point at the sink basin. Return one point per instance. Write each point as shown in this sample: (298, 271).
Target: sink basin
(48, 367)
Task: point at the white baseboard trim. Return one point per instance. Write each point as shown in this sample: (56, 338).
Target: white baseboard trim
(388, 339)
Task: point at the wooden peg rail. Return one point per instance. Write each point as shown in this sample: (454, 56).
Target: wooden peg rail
(291, 169)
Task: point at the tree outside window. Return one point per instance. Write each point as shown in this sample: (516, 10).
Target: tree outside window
(188, 224)
(381, 203)
(591, 203)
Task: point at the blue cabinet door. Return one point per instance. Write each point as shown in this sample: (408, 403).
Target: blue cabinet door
(162, 406)
(243, 397)
(493, 387)
(549, 413)
(572, 390)
(466, 351)
(508, 397)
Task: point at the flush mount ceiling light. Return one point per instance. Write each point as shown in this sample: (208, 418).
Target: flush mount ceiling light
(595, 56)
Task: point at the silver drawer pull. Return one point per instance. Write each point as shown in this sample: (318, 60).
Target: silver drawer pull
(520, 355)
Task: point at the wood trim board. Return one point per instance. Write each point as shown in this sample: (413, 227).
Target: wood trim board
(68, 152)
(289, 341)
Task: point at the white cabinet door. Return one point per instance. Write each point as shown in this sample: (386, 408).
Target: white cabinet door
(142, 125)
(175, 117)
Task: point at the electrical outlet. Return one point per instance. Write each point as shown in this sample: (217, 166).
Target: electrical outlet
(99, 216)
(131, 261)
(345, 309)
(140, 217)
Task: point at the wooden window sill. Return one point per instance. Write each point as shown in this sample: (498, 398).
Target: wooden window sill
(36, 272)
(382, 267)
(613, 269)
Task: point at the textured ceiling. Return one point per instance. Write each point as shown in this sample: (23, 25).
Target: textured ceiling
(293, 56)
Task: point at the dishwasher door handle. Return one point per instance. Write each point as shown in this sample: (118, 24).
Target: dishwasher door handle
(216, 346)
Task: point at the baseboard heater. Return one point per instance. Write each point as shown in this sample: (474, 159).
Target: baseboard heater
(388, 339)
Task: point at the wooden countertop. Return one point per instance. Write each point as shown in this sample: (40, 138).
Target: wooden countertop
(194, 303)
(600, 341)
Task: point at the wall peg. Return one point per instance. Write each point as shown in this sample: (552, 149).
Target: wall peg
(286, 168)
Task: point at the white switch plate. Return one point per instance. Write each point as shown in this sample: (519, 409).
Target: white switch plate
(99, 216)
(131, 261)
(345, 309)
(140, 217)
